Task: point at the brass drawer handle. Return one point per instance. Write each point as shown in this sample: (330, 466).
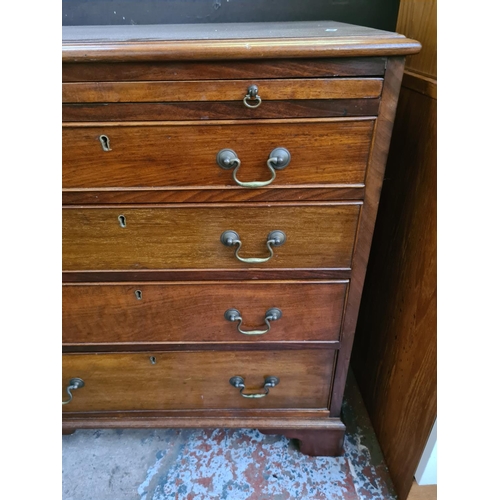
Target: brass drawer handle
(272, 314)
(74, 383)
(274, 238)
(252, 94)
(278, 160)
(239, 383)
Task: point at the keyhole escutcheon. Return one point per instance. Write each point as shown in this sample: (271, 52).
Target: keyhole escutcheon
(105, 142)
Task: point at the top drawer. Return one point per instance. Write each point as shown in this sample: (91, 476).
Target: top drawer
(220, 99)
(197, 90)
(223, 90)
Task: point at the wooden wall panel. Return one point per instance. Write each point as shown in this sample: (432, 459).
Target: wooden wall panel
(417, 20)
(394, 356)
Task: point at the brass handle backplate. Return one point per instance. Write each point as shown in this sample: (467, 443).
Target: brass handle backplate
(278, 160)
(272, 314)
(74, 383)
(274, 238)
(252, 96)
(239, 383)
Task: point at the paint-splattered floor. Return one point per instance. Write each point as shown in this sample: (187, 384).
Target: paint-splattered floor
(232, 464)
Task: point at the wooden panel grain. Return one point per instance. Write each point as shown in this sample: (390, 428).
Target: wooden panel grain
(188, 236)
(112, 196)
(228, 41)
(203, 33)
(418, 20)
(374, 180)
(185, 380)
(222, 90)
(184, 155)
(311, 417)
(218, 110)
(394, 356)
(261, 419)
(237, 49)
(223, 70)
(420, 83)
(282, 345)
(109, 276)
(424, 492)
(194, 312)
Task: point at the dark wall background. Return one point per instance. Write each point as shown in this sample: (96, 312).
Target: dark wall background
(381, 14)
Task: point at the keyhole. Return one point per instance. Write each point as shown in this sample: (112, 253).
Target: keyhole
(153, 360)
(122, 220)
(138, 294)
(105, 142)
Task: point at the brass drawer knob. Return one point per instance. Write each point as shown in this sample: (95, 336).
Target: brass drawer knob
(74, 383)
(272, 314)
(252, 96)
(239, 383)
(274, 238)
(278, 160)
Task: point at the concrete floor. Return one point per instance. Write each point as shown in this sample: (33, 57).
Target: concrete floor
(232, 464)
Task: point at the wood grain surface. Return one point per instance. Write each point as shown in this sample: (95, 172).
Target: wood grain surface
(168, 104)
(141, 346)
(109, 276)
(185, 380)
(314, 442)
(229, 41)
(106, 196)
(397, 324)
(374, 179)
(222, 90)
(251, 419)
(313, 418)
(420, 83)
(149, 155)
(394, 356)
(184, 237)
(222, 70)
(237, 49)
(209, 32)
(419, 19)
(194, 312)
(424, 492)
(218, 110)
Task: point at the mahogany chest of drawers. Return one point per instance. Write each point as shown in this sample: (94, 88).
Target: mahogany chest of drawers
(220, 189)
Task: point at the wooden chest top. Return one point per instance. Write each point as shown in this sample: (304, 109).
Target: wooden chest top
(230, 41)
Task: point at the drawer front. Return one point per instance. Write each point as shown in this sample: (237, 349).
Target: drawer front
(189, 237)
(215, 70)
(322, 153)
(195, 312)
(222, 90)
(197, 380)
(217, 110)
